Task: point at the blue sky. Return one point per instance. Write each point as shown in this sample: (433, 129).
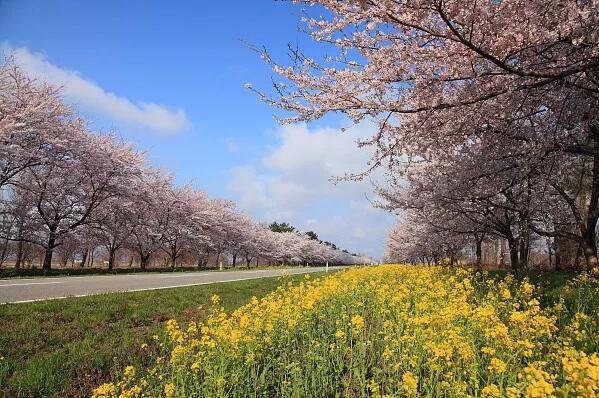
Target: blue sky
(169, 76)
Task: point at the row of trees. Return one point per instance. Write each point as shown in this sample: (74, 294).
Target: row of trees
(487, 115)
(286, 227)
(65, 186)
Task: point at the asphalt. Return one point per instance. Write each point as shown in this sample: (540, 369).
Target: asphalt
(38, 289)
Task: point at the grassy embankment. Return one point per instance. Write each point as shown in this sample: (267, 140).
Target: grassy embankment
(63, 348)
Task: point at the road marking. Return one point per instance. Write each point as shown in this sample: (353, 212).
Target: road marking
(188, 275)
(293, 271)
(28, 284)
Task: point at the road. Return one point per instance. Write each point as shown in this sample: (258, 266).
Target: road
(26, 290)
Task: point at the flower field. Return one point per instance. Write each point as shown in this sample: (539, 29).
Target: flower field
(389, 331)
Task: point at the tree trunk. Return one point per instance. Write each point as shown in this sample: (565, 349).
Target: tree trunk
(173, 258)
(111, 256)
(557, 254)
(84, 259)
(143, 260)
(19, 258)
(50, 245)
(4, 250)
(234, 259)
(589, 249)
(514, 259)
(578, 255)
(479, 251)
(524, 247)
(550, 252)
(589, 245)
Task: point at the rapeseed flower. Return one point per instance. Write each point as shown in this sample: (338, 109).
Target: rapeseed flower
(413, 331)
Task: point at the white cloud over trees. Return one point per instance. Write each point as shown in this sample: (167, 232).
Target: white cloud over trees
(89, 95)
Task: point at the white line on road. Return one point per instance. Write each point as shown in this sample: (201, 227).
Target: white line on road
(150, 288)
(260, 271)
(28, 284)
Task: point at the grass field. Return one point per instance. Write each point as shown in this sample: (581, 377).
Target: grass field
(62, 348)
(391, 331)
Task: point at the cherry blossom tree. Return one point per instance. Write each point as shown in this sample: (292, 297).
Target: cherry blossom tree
(115, 224)
(204, 225)
(32, 121)
(72, 183)
(516, 79)
(150, 220)
(69, 190)
(176, 206)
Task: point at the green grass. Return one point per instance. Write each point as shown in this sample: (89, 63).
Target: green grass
(63, 348)
(550, 285)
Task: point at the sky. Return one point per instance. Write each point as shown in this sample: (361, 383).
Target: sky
(170, 77)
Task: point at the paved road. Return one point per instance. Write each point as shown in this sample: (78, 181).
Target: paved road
(25, 290)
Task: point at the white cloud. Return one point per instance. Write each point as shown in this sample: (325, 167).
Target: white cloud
(269, 194)
(291, 182)
(86, 93)
(323, 152)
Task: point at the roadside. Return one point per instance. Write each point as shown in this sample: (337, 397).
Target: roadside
(11, 273)
(63, 348)
(36, 289)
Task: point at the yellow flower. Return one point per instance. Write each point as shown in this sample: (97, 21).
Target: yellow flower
(446, 323)
(497, 365)
(357, 322)
(526, 288)
(374, 388)
(491, 391)
(169, 389)
(215, 299)
(409, 383)
(488, 350)
(129, 372)
(513, 392)
(105, 390)
(538, 383)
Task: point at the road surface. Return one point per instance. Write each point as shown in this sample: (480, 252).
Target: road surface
(26, 290)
